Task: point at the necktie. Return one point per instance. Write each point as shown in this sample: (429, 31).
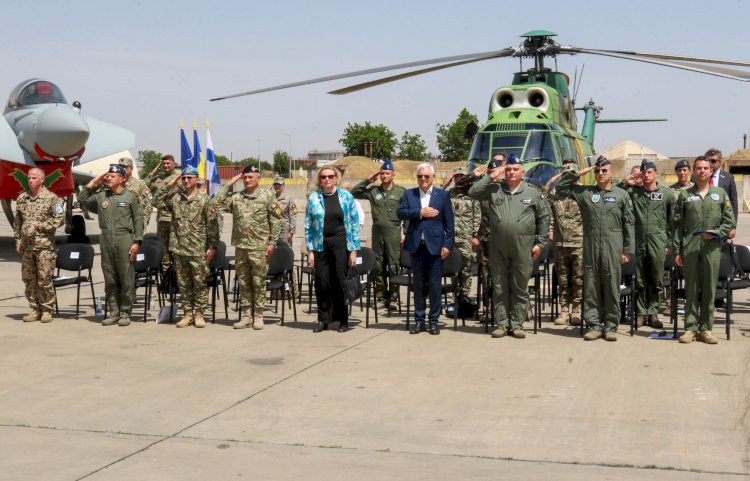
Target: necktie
(712, 180)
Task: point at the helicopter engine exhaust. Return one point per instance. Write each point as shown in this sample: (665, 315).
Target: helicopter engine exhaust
(525, 98)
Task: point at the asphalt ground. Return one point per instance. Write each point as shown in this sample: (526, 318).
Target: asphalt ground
(151, 402)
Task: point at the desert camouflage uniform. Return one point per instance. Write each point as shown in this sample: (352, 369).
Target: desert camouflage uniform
(163, 217)
(194, 228)
(467, 215)
(38, 245)
(567, 232)
(255, 225)
(288, 217)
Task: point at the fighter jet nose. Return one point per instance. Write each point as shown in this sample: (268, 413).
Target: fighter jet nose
(61, 131)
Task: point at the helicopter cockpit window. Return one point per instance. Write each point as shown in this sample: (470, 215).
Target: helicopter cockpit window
(41, 92)
(540, 146)
(540, 174)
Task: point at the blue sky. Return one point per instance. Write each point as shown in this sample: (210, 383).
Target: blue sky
(145, 65)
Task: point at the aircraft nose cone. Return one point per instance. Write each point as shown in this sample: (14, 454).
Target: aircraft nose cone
(61, 131)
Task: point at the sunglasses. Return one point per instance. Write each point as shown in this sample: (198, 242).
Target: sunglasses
(423, 176)
(327, 177)
(714, 161)
(188, 177)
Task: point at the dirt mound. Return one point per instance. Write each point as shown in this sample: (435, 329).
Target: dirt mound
(358, 168)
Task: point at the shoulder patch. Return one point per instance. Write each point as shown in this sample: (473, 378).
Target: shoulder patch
(275, 209)
(714, 196)
(58, 208)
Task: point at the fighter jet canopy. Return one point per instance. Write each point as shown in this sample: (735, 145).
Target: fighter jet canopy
(34, 92)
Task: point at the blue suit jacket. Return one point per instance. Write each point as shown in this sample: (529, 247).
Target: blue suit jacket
(438, 231)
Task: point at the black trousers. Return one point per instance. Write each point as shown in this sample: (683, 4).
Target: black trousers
(330, 272)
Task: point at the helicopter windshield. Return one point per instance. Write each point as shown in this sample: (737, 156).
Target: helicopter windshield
(535, 145)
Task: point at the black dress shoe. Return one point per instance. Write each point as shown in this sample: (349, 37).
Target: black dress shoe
(343, 327)
(434, 329)
(418, 327)
(320, 326)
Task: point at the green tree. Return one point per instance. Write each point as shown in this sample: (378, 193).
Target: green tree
(281, 163)
(254, 161)
(355, 137)
(451, 139)
(412, 147)
(224, 160)
(146, 161)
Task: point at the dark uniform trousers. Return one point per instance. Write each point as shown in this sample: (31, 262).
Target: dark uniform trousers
(119, 274)
(427, 277)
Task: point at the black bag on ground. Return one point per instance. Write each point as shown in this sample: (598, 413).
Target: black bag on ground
(353, 289)
(169, 281)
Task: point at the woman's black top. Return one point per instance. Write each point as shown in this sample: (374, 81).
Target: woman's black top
(334, 231)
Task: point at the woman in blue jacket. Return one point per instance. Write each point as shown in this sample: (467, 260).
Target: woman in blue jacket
(332, 239)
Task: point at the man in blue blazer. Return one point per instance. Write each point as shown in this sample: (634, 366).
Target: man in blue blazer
(429, 239)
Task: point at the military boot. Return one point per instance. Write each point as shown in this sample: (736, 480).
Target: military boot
(246, 321)
(31, 316)
(592, 335)
(199, 321)
(500, 332)
(46, 317)
(610, 336)
(655, 322)
(688, 337)
(123, 322)
(707, 337)
(187, 318)
(564, 316)
(575, 314)
(110, 321)
(258, 322)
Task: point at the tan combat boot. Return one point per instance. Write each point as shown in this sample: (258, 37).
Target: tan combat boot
(575, 314)
(592, 335)
(500, 332)
(707, 337)
(110, 321)
(200, 322)
(31, 316)
(246, 321)
(46, 317)
(187, 318)
(564, 316)
(688, 337)
(610, 336)
(258, 322)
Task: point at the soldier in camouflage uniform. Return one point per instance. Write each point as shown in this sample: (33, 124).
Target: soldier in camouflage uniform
(139, 188)
(387, 229)
(567, 233)
(288, 211)
(256, 223)
(194, 234)
(39, 213)
(682, 171)
(163, 219)
(467, 217)
(121, 224)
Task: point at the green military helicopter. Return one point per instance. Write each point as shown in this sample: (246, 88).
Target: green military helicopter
(534, 117)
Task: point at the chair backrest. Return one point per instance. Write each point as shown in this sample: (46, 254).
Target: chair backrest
(151, 236)
(281, 261)
(669, 261)
(452, 263)
(72, 257)
(628, 269)
(726, 267)
(219, 261)
(157, 244)
(148, 257)
(742, 255)
(368, 261)
(404, 259)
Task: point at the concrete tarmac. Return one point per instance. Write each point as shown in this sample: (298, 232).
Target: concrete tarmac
(151, 402)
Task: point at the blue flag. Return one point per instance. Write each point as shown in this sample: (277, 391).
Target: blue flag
(212, 172)
(197, 154)
(185, 155)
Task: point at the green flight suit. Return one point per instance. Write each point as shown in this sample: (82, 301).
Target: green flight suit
(700, 257)
(608, 234)
(653, 218)
(121, 223)
(386, 233)
(519, 220)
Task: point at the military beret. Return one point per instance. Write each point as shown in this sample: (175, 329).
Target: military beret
(116, 169)
(647, 164)
(680, 164)
(277, 179)
(189, 170)
(251, 169)
(513, 160)
(602, 161)
(126, 161)
(387, 165)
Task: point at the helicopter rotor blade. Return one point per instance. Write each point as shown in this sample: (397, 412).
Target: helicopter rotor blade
(419, 63)
(662, 56)
(373, 83)
(684, 65)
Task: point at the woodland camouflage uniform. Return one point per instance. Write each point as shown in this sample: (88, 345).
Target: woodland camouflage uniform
(38, 246)
(163, 217)
(467, 215)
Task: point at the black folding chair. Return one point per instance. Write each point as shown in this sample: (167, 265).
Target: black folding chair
(627, 294)
(216, 278)
(75, 258)
(147, 265)
(279, 278)
(452, 283)
(404, 279)
(364, 269)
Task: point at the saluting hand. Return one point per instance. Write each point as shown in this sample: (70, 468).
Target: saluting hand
(373, 177)
(234, 180)
(479, 171)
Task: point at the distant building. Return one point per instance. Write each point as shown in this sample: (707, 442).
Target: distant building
(324, 157)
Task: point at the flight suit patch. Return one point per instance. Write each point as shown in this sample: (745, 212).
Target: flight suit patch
(610, 199)
(105, 204)
(694, 198)
(122, 204)
(378, 196)
(526, 201)
(656, 196)
(596, 198)
(715, 196)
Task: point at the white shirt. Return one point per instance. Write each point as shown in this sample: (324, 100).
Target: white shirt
(424, 199)
(360, 212)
